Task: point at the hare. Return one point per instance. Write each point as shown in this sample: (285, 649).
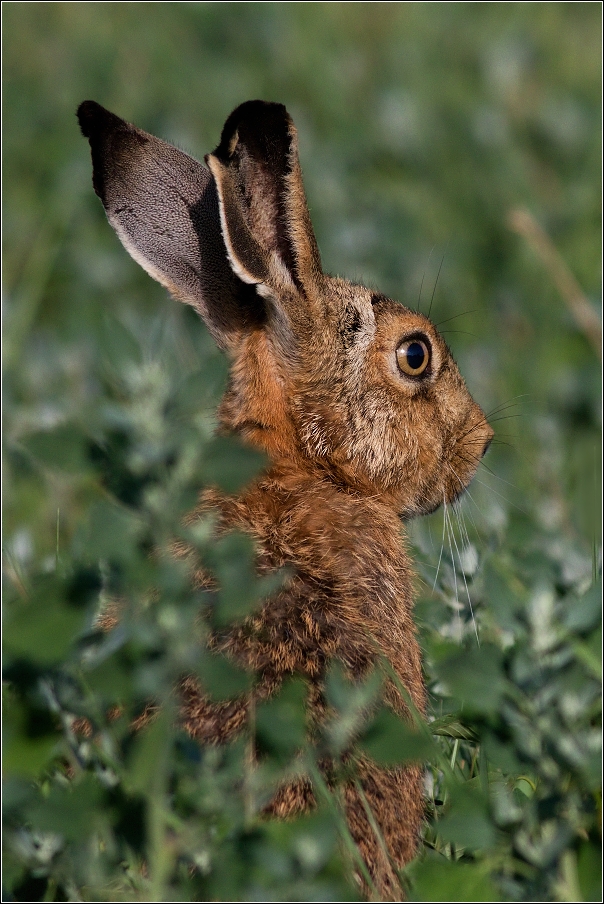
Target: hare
(355, 399)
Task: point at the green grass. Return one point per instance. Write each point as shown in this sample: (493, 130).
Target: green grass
(422, 128)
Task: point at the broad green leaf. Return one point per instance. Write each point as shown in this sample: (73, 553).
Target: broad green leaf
(589, 869)
(73, 812)
(389, 741)
(467, 823)
(281, 721)
(44, 627)
(230, 464)
(26, 748)
(474, 677)
(148, 757)
(110, 533)
(437, 879)
(63, 448)
(221, 678)
(585, 612)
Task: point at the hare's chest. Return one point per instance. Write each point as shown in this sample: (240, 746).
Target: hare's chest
(301, 631)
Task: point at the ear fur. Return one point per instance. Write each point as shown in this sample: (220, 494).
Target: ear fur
(164, 208)
(264, 216)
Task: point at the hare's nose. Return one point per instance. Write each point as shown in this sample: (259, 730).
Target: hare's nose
(486, 446)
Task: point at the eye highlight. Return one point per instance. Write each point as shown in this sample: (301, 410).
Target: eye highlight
(413, 356)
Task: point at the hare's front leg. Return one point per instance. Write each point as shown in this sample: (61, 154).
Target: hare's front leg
(385, 822)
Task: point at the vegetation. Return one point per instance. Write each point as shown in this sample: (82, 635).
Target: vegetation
(423, 128)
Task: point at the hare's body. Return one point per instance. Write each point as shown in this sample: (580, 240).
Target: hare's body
(346, 601)
(355, 399)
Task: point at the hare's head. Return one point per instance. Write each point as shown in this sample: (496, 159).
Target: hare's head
(325, 373)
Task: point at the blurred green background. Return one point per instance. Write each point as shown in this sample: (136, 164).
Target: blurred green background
(422, 127)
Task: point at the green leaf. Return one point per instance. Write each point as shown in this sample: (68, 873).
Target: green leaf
(221, 679)
(111, 680)
(25, 753)
(450, 727)
(389, 741)
(504, 601)
(502, 755)
(232, 559)
(73, 812)
(110, 533)
(231, 464)
(437, 879)
(589, 868)
(147, 759)
(281, 721)
(475, 677)
(467, 823)
(119, 347)
(589, 653)
(586, 612)
(43, 628)
(63, 448)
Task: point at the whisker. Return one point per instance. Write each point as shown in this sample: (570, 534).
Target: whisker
(456, 506)
(478, 509)
(467, 491)
(471, 517)
(497, 477)
(504, 417)
(442, 546)
(501, 496)
(449, 531)
(505, 406)
(419, 300)
(481, 462)
(470, 430)
(463, 574)
(508, 404)
(430, 535)
(424, 564)
(502, 442)
(465, 332)
(475, 426)
(473, 461)
(436, 283)
(480, 423)
(463, 313)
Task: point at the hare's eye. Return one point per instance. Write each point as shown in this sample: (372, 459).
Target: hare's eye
(413, 357)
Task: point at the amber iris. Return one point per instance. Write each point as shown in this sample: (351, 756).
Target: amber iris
(413, 357)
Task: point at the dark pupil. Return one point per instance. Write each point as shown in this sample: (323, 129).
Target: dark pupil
(415, 356)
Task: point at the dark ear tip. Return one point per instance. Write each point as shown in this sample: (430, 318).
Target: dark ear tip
(252, 120)
(88, 115)
(95, 119)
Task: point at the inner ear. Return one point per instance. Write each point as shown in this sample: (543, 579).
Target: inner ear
(165, 210)
(264, 215)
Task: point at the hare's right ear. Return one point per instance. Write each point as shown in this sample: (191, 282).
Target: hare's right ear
(164, 208)
(265, 220)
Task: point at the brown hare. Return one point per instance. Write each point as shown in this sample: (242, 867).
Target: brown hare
(355, 399)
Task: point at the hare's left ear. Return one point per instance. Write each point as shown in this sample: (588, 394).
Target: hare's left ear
(264, 216)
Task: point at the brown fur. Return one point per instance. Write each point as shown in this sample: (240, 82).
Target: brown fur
(356, 446)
